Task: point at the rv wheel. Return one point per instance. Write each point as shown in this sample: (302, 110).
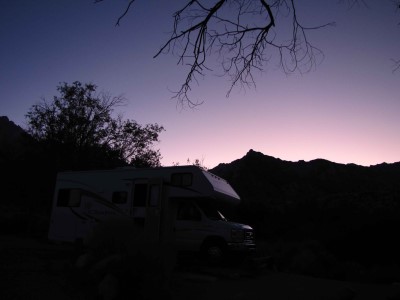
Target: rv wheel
(214, 251)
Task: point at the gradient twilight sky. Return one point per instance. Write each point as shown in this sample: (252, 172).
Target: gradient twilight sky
(346, 110)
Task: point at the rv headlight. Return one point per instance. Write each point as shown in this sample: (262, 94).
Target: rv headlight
(237, 235)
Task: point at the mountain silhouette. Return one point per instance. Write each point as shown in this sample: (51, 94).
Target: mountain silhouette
(352, 210)
(9, 131)
(259, 177)
(12, 138)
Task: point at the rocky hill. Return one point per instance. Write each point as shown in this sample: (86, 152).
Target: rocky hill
(9, 131)
(350, 211)
(11, 139)
(258, 177)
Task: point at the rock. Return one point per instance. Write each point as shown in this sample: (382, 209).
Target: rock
(106, 263)
(83, 261)
(344, 293)
(108, 287)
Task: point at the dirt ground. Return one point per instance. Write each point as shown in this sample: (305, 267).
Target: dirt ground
(35, 269)
(277, 286)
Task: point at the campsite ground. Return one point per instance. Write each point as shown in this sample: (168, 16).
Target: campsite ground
(34, 269)
(279, 286)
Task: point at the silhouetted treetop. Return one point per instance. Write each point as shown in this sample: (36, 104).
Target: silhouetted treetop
(79, 126)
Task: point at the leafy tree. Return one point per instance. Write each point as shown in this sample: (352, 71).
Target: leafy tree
(79, 130)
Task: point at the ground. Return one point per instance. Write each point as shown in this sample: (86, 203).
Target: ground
(35, 269)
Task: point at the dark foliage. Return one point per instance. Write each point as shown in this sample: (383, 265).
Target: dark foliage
(77, 130)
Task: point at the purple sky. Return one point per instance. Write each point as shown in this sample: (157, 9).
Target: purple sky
(346, 110)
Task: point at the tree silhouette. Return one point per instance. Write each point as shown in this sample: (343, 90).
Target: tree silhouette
(241, 35)
(78, 128)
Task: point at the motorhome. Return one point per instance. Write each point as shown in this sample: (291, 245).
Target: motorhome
(178, 203)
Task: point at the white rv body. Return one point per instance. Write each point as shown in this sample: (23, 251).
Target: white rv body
(170, 203)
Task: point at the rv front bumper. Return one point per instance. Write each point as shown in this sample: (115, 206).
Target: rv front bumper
(242, 247)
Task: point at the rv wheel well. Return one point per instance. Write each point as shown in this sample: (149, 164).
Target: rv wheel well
(213, 240)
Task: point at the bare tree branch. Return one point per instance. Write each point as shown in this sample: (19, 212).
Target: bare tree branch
(123, 14)
(241, 36)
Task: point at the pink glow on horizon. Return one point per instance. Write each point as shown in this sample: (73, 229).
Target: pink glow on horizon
(345, 111)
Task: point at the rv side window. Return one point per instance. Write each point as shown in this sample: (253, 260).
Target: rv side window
(188, 212)
(181, 179)
(69, 198)
(154, 195)
(140, 194)
(119, 197)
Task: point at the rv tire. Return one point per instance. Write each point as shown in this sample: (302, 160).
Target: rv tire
(214, 250)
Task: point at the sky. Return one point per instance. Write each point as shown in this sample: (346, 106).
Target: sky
(346, 110)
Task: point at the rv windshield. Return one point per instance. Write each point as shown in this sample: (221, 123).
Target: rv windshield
(210, 211)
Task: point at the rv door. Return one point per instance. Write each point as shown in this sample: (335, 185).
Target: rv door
(153, 210)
